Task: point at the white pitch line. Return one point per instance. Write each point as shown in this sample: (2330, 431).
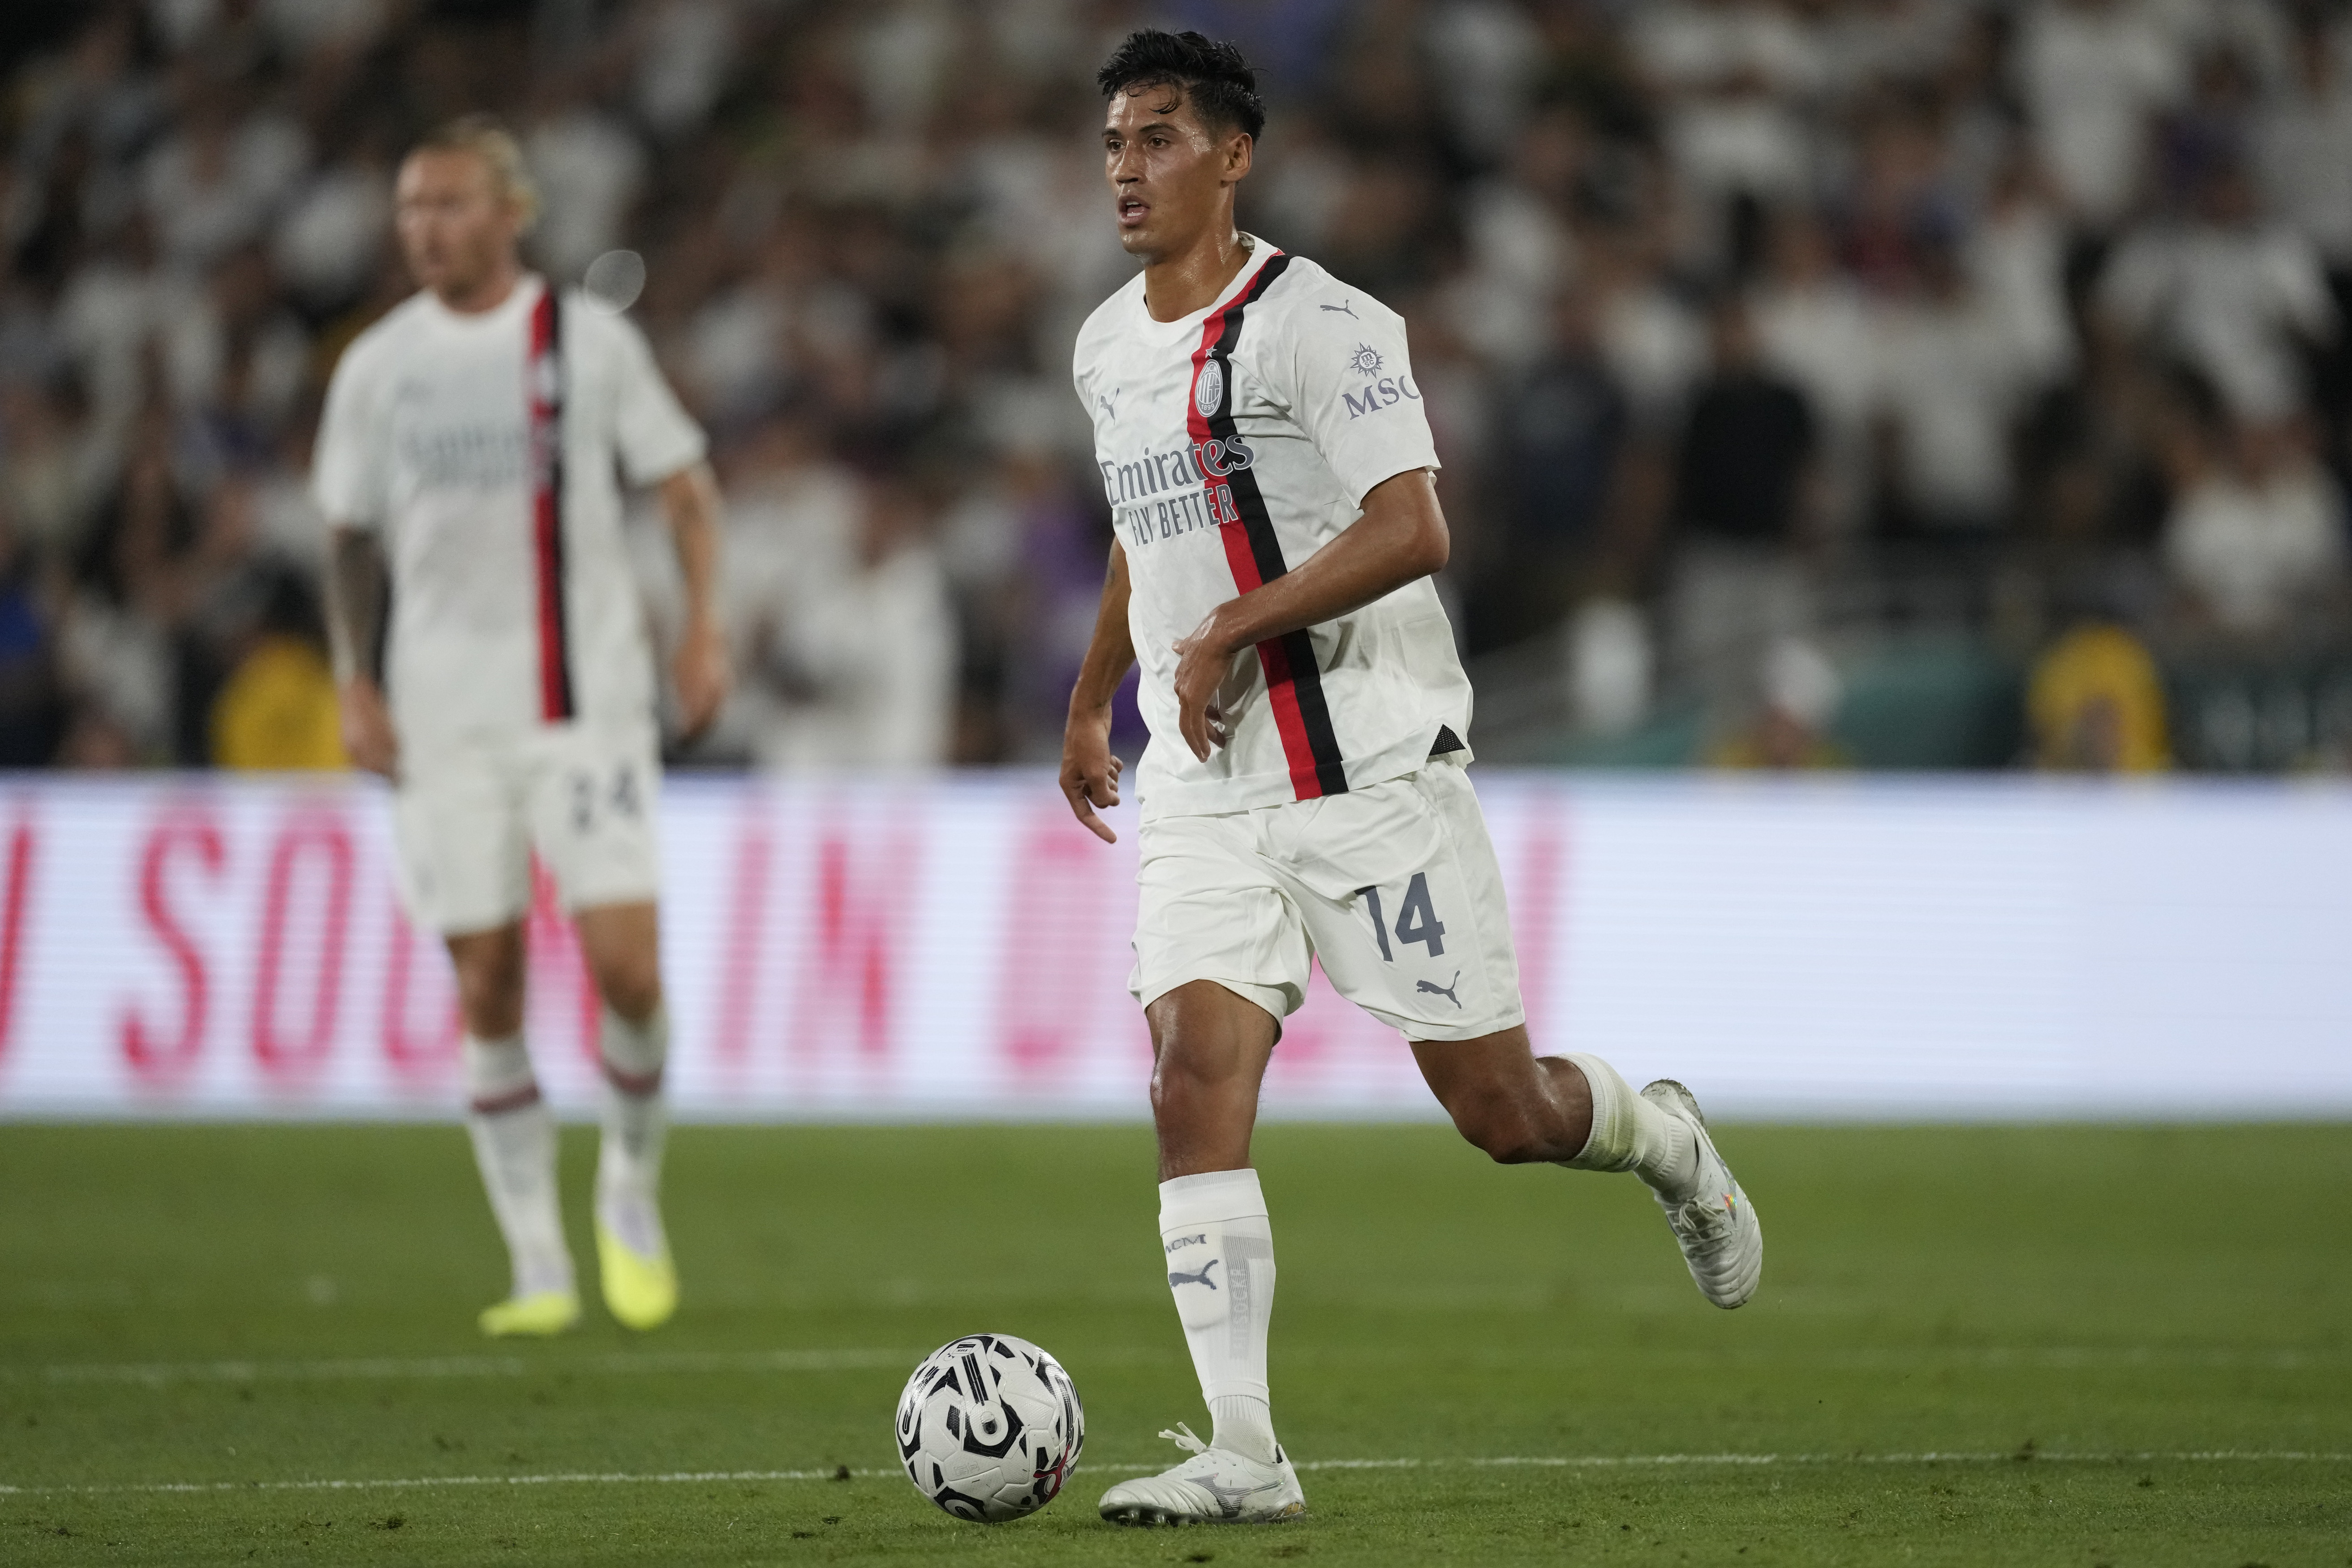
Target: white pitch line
(156, 1373)
(1536, 1461)
(354, 1368)
(569, 1477)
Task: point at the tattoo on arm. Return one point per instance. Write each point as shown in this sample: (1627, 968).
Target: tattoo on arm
(359, 602)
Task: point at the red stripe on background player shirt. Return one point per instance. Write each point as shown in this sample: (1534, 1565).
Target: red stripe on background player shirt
(1294, 683)
(543, 387)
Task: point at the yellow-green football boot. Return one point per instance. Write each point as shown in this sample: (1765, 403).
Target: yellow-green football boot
(541, 1313)
(632, 1258)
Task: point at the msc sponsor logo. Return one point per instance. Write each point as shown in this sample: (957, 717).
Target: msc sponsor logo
(1366, 361)
(1385, 393)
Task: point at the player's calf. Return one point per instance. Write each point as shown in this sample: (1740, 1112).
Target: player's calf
(514, 1144)
(488, 965)
(1515, 1107)
(639, 1280)
(1507, 1130)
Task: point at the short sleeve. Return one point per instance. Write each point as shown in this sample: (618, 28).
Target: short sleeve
(348, 467)
(654, 434)
(1351, 388)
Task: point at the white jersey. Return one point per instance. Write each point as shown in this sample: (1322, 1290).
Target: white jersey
(513, 603)
(1233, 443)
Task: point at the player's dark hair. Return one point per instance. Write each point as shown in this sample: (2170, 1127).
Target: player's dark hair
(1218, 83)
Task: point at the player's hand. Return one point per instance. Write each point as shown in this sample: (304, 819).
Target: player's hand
(1204, 660)
(702, 673)
(368, 739)
(1090, 770)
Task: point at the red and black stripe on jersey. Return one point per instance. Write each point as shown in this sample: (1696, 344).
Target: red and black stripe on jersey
(1294, 683)
(544, 372)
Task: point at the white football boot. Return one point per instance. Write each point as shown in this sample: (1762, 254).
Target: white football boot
(1722, 1239)
(1216, 1486)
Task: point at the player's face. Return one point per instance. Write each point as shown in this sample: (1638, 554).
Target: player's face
(457, 225)
(1169, 176)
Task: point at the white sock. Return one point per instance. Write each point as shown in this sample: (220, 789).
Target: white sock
(1629, 1133)
(514, 1144)
(636, 1113)
(1220, 1250)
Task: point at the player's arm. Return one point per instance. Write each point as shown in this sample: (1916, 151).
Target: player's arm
(1401, 537)
(689, 498)
(1089, 770)
(358, 597)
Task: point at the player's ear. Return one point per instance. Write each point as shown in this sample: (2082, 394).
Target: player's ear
(1241, 150)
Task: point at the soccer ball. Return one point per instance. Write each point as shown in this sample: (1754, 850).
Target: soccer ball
(989, 1427)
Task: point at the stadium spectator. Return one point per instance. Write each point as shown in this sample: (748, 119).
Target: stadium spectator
(1563, 442)
(55, 466)
(1815, 327)
(276, 707)
(2093, 73)
(2302, 145)
(2234, 298)
(1733, 77)
(2095, 703)
(31, 709)
(1957, 374)
(2256, 538)
(1743, 507)
(1747, 451)
(847, 633)
(1797, 696)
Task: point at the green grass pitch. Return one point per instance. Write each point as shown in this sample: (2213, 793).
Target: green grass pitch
(2128, 1345)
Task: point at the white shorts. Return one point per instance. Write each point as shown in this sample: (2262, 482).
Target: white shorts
(465, 820)
(1394, 889)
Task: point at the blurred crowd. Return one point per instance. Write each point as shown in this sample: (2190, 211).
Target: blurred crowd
(1758, 338)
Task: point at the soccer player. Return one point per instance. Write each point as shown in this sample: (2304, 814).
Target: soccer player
(1304, 795)
(493, 663)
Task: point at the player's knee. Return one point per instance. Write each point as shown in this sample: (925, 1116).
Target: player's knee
(1178, 1083)
(630, 985)
(1186, 1083)
(490, 986)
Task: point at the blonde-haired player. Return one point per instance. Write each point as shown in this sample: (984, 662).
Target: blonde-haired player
(494, 664)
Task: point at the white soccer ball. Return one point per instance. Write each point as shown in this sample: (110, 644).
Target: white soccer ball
(989, 1427)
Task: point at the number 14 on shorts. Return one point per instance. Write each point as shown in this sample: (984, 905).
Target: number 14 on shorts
(1417, 919)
